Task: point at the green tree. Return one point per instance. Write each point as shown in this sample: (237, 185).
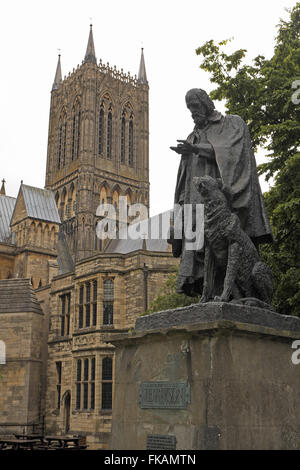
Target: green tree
(168, 297)
(261, 93)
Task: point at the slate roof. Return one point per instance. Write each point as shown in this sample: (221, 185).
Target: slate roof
(64, 258)
(155, 237)
(7, 205)
(40, 204)
(17, 295)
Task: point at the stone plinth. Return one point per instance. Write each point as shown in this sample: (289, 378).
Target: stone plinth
(228, 369)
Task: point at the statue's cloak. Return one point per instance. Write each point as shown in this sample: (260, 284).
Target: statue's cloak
(234, 162)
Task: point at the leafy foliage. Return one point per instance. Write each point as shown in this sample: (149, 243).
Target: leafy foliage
(261, 94)
(168, 297)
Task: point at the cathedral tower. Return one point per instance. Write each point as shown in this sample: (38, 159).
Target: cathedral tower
(98, 145)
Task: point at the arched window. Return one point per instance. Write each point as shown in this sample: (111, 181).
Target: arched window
(106, 402)
(62, 139)
(75, 131)
(130, 142)
(109, 136)
(101, 132)
(123, 138)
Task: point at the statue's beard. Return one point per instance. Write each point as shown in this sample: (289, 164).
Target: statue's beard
(200, 123)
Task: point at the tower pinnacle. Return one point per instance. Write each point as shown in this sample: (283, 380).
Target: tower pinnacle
(90, 55)
(2, 191)
(57, 79)
(142, 77)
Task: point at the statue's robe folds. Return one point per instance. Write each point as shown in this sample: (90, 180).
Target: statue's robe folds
(234, 162)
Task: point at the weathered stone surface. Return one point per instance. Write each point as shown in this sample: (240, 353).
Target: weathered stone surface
(244, 386)
(17, 295)
(202, 313)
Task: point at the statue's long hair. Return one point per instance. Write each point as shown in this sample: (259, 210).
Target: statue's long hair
(202, 97)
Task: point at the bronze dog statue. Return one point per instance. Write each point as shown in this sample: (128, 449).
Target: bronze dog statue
(232, 267)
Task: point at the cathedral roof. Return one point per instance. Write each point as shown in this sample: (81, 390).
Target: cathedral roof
(90, 55)
(7, 205)
(39, 204)
(64, 258)
(152, 231)
(17, 295)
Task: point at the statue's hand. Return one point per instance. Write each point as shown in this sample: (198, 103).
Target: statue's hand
(185, 148)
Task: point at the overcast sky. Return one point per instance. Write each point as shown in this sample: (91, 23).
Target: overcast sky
(32, 31)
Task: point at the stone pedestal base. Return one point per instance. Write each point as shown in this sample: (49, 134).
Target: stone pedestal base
(221, 377)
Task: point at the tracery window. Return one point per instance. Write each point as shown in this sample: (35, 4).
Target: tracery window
(130, 142)
(62, 139)
(75, 131)
(101, 132)
(123, 138)
(109, 136)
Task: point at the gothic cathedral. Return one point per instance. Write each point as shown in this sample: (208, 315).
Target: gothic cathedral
(98, 145)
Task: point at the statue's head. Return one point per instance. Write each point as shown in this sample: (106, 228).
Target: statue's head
(200, 105)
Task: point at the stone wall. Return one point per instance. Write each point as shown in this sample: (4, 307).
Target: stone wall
(237, 362)
(21, 329)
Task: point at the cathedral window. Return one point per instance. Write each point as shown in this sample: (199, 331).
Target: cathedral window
(59, 148)
(130, 143)
(101, 132)
(123, 139)
(108, 302)
(78, 385)
(94, 303)
(58, 381)
(65, 314)
(81, 292)
(106, 403)
(93, 370)
(75, 144)
(85, 384)
(109, 136)
(88, 304)
(73, 136)
(62, 141)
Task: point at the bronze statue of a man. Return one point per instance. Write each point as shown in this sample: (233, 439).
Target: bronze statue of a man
(220, 147)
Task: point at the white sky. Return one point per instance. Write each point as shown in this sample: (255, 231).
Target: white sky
(31, 31)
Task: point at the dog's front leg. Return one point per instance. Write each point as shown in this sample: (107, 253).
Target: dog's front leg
(208, 275)
(234, 252)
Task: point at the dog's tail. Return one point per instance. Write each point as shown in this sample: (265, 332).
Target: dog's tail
(262, 281)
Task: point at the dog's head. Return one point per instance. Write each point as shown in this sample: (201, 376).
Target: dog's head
(212, 189)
